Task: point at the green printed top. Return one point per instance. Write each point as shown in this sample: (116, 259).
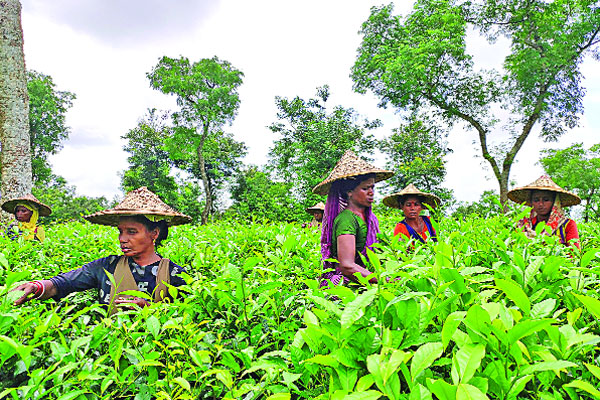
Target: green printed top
(348, 223)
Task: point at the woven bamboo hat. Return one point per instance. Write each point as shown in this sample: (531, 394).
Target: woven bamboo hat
(319, 207)
(394, 200)
(350, 166)
(544, 182)
(139, 202)
(10, 205)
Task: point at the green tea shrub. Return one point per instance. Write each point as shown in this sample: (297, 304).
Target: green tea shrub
(483, 313)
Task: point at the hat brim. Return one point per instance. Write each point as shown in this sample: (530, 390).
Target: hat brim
(393, 200)
(10, 205)
(312, 210)
(112, 217)
(523, 195)
(323, 187)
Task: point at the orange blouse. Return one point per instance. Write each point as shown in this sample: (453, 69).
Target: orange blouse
(401, 229)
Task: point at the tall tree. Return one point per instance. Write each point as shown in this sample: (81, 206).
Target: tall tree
(312, 140)
(221, 155)
(207, 94)
(47, 122)
(577, 169)
(415, 151)
(420, 63)
(15, 156)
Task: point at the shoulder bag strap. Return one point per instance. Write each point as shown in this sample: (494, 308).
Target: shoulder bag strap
(163, 276)
(124, 281)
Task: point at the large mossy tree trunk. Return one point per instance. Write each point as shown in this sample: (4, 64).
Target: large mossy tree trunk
(15, 155)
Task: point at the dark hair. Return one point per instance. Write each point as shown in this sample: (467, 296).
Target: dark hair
(348, 184)
(163, 228)
(402, 199)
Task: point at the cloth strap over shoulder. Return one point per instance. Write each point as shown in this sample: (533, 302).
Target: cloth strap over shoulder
(414, 233)
(125, 281)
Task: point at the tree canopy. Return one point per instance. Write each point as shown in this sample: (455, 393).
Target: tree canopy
(149, 163)
(47, 122)
(420, 63)
(207, 94)
(415, 152)
(257, 196)
(577, 169)
(312, 139)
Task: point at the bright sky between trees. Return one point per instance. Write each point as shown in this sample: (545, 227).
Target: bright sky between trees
(101, 50)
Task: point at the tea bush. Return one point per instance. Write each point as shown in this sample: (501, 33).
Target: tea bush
(484, 313)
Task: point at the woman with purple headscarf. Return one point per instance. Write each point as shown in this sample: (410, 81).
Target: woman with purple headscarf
(349, 226)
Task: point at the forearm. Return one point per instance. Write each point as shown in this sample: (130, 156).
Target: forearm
(349, 269)
(49, 289)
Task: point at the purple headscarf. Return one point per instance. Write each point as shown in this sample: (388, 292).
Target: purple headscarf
(334, 206)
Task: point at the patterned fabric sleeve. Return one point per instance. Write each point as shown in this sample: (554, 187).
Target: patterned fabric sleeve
(90, 276)
(176, 270)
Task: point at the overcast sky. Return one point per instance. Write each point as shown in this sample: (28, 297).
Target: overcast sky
(101, 50)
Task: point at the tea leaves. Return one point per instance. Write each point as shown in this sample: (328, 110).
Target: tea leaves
(484, 313)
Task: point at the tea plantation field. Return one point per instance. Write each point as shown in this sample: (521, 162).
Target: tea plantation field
(484, 314)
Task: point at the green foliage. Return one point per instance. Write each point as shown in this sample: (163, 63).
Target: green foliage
(420, 63)
(151, 166)
(415, 152)
(488, 205)
(207, 94)
(220, 151)
(256, 196)
(149, 163)
(313, 139)
(47, 125)
(65, 203)
(483, 313)
(575, 168)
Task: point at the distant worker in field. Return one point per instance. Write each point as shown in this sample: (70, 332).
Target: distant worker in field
(414, 225)
(317, 213)
(143, 221)
(547, 199)
(26, 209)
(349, 225)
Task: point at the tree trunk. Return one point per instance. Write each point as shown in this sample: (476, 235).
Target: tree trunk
(207, 193)
(15, 156)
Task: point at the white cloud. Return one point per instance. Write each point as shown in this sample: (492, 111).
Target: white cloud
(101, 50)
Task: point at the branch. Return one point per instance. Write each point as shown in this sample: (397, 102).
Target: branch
(535, 115)
(480, 130)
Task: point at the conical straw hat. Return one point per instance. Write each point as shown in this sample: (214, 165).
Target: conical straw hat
(139, 202)
(350, 165)
(320, 206)
(10, 205)
(544, 182)
(393, 200)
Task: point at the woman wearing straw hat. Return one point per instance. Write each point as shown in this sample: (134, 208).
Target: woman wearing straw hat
(414, 225)
(27, 209)
(317, 213)
(349, 226)
(546, 199)
(143, 221)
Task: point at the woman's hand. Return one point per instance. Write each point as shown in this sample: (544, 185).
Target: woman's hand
(40, 290)
(130, 302)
